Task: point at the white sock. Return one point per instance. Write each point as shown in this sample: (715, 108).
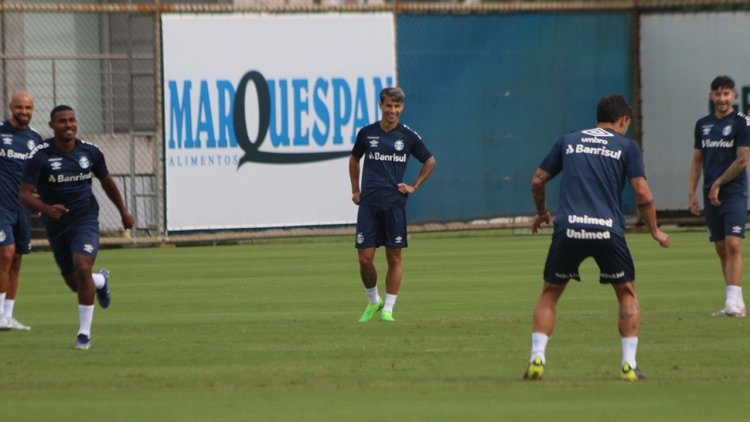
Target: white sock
(538, 346)
(734, 296)
(390, 302)
(98, 280)
(86, 317)
(8, 307)
(372, 295)
(2, 304)
(629, 347)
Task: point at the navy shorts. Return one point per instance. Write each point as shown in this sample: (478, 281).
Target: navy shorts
(726, 220)
(77, 237)
(566, 254)
(15, 229)
(381, 227)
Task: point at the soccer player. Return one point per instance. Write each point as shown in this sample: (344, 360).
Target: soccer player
(18, 139)
(381, 220)
(595, 164)
(721, 151)
(60, 170)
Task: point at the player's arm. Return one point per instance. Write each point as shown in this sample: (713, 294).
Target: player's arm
(427, 168)
(735, 169)
(539, 194)
(354, 178)
(113, 193)
(34, 203)
(696, 166)
(645, 202)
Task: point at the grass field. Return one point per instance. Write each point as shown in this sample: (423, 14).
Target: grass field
(268, 332)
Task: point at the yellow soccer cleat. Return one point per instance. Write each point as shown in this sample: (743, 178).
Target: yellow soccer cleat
(535, 371)
(631, 374)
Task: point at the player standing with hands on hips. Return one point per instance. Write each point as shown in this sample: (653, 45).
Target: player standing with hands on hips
(60, 170)
(721, 150)
(381, 220)
(595, 164)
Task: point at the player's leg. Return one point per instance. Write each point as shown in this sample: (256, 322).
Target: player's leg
(396, 238)
(629, 323)
(616, 268)
(729, 248)
(392, 282)
(84, 246)
(6, 262)
(22, 233)
(369, 237)
(83, 263)
(370, 280)
(563, 259)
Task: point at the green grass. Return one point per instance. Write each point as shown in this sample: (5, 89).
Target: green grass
(268, 332)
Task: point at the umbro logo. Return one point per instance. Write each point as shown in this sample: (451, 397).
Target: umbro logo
(597, 132)
(736, 229)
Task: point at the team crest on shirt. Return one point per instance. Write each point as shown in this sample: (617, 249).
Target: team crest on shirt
(727, 130)
(399, 145)
(3, 236)
(30, 144)
(84, 162)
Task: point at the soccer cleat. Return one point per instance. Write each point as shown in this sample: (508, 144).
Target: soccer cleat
(387, 317)
(371, 310)
(103, 294)
(535, 371)
(15, 325)
(731, 311)
(631, 374)
(4, 323)
(83, 342)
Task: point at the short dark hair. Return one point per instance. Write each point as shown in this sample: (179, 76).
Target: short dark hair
(722, 81)
(611, 108)
(57, 109)
(394, 93)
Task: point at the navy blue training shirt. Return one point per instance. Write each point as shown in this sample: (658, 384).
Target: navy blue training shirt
(386, 156)
(595, 164)
(15, 147)
(719, 139)
(65, 178)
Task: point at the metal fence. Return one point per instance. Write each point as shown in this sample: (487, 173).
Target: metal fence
(103, 59)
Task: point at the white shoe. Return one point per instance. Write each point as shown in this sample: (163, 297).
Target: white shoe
(731, 311)
(4, 323)
(15, 325)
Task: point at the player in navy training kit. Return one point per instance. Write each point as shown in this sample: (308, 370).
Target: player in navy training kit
(60, 170)
(381, 219)
(721, 151)
(595, 164)
(18, 139)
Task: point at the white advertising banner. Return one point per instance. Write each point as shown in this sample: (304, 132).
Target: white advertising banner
(261, 112)
(680, 55)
